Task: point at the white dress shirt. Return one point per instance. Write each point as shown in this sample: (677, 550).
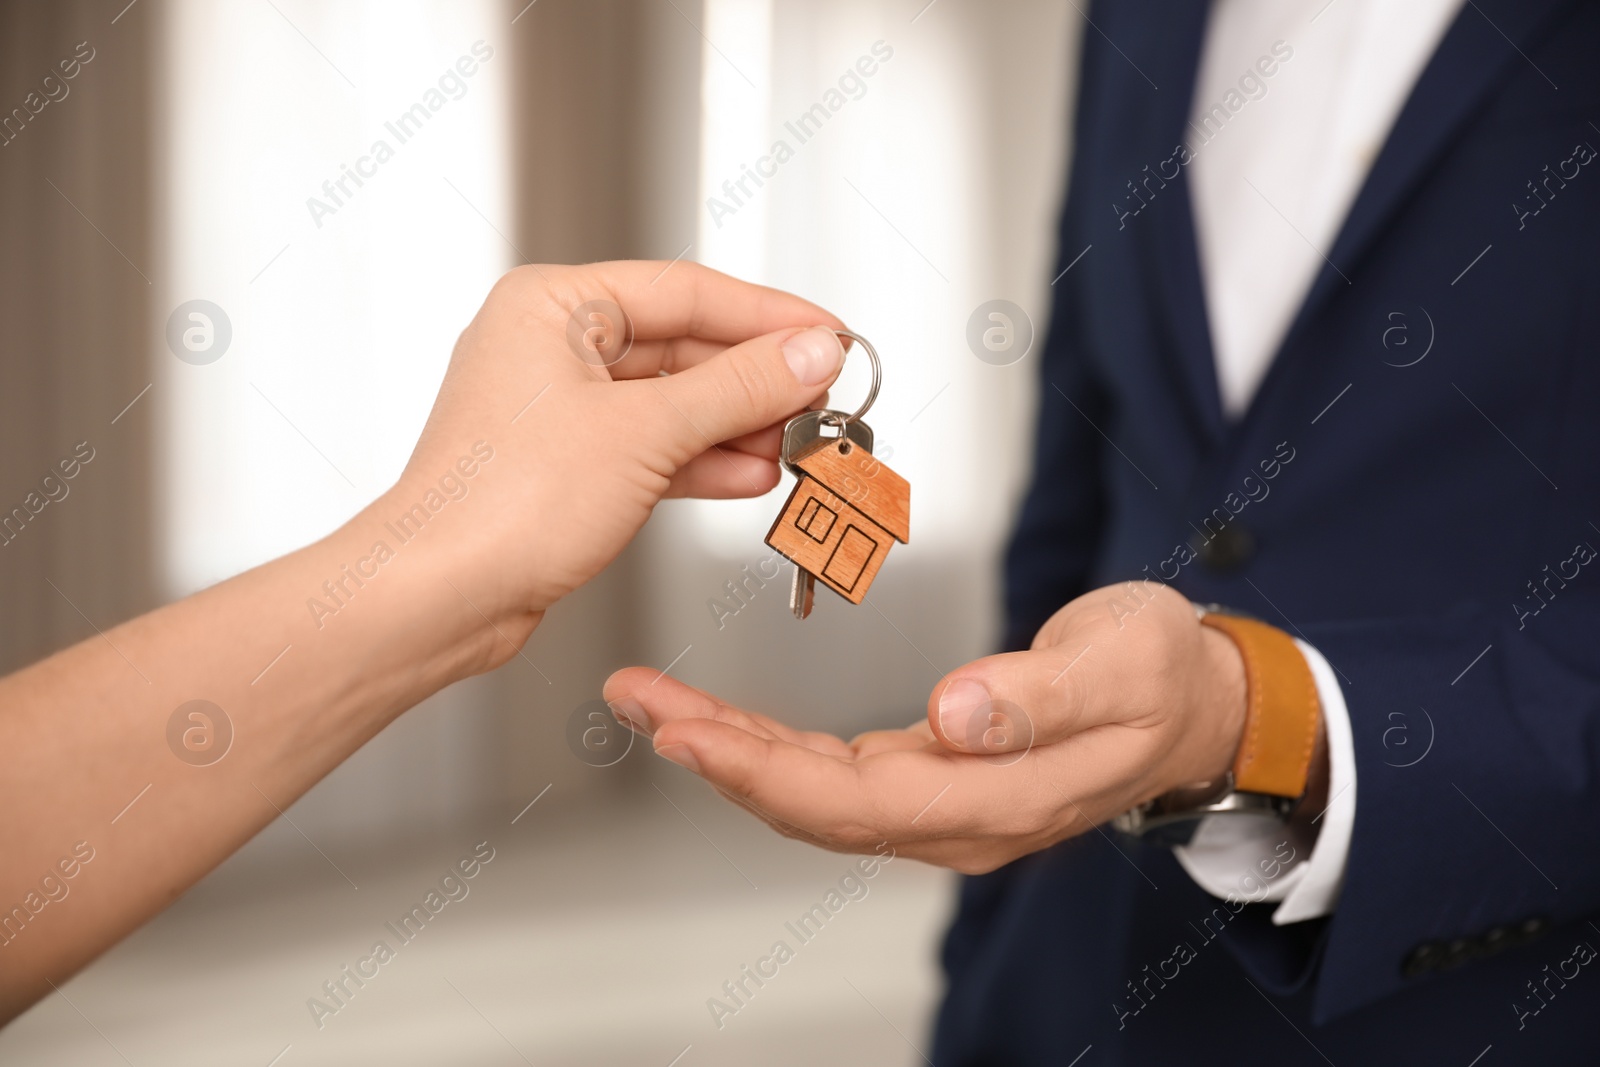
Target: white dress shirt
(1292, 103)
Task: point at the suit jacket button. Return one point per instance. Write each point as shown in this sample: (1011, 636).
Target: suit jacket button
(1422, 959)
(1457, 950)
(1228, 549)
(1498, 938)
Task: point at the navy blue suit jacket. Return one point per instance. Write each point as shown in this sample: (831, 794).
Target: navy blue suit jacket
(1431, 531)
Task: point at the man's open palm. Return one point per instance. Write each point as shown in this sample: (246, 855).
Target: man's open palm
(1019, 750)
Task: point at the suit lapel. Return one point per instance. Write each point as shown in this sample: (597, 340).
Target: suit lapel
(1170, 239)
(1484, 44)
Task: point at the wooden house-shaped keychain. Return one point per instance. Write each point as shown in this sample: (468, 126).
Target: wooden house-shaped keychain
(845, 513)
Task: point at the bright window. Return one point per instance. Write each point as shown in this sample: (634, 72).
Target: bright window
(842, 158)
(335, 179)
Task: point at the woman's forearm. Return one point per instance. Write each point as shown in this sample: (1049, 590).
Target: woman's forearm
(90, 729)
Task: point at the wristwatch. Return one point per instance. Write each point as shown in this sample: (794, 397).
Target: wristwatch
(1282, 720)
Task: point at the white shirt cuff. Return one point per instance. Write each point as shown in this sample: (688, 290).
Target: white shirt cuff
(1257, 863)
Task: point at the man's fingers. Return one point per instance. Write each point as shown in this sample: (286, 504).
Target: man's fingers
(913, 738)
(894, 796)
(885, 786)
(1014, 701)
(651, 699)
(819, 795)
(788, 781)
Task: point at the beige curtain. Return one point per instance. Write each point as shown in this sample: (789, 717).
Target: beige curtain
(76, 261)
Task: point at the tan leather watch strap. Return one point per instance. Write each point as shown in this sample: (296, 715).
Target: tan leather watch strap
(1282, 712)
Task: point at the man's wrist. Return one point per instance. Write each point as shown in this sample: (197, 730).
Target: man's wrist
(1255, 746)
(1223, 712)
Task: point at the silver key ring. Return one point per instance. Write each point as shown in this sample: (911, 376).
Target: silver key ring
(844, 421)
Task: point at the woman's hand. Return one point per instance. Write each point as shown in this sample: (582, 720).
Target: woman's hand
(592, 420)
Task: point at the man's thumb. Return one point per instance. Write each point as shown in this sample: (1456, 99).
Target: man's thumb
(752, 385)
(1015, 700)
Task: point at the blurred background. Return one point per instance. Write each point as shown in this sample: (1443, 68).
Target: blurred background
(198, 155)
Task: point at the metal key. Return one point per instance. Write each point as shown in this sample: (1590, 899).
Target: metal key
(802, 435)
(803, 592)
